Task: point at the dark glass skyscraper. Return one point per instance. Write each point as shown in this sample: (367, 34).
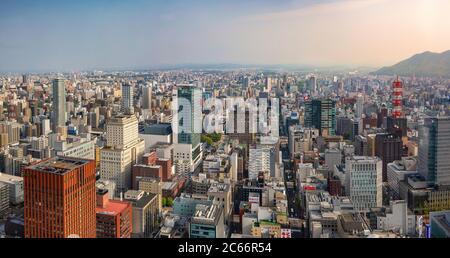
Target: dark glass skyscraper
(434, 150)
(321, 114)
(190, 115)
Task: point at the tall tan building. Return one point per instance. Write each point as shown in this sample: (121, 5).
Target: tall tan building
(123, 149)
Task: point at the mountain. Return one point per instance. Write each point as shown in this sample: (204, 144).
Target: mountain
(427, 64)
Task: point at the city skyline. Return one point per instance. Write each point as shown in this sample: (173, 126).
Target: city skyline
(60, 36)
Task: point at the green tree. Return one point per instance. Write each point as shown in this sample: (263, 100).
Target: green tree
(216, 137)
(207, 139)
(169, 202)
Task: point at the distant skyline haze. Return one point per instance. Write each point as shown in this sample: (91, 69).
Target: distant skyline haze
(78, 35)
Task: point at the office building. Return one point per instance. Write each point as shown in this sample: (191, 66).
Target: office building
(59, 103)
(156, 134)
(123, 149)
(153, 186)
(127, 99)
(261, 160)
(145, 213)
(364, 182)
(439, 224)
(147, 97)
(397, 172)
(321, 114)
(434, 150)
(60, 198)
(187, 128)
(388, 148)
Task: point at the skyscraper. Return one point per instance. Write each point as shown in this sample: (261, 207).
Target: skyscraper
(123, 149)
(127, 99)
(60, 198)
(187, 127)
(388, 148)
(147, 97)
(434, 150)
(359, 106)
(313, 84)
(59, 103)
(321, 114)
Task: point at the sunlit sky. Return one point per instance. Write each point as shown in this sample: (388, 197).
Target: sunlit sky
(95, 34)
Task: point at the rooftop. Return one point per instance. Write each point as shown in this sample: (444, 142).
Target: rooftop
(114, 207)
(157, 129)
(59, 165)
(207, 214)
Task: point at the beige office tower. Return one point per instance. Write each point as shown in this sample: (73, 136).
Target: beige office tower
(123, 149)
(59, 103)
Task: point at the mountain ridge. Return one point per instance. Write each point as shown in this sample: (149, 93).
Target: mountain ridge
(425, 64)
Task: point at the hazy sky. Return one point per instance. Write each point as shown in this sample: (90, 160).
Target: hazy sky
(82, 34)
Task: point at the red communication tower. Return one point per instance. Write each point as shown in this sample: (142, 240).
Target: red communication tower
(397, 99)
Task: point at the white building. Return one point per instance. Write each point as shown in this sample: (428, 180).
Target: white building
(398, 171)
(261, 159)
(364, 182)
(398, 219)
(123, 149)
(77, 147)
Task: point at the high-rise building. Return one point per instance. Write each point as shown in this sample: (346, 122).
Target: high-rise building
(127, 99)
(397, 126)
(359, 106)
(60, 198)
(364, 182)
(388, 148)
(313, 84)
(321, 114)
(147, 97)
(59, 103)
(123, 149)
(187, 128)
(434, 150)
